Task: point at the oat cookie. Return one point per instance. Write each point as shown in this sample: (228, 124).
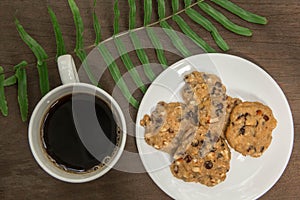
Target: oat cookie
(209, 169)
(209, 94)
(250, 128)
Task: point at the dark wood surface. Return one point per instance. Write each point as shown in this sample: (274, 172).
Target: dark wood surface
(275, 47)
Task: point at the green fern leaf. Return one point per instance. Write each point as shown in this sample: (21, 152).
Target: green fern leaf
(116, 74)
(22, 89)
(116, 17)
(189, 32)
(79, 50)
(96, 25)
(205, 23)
(147, 12)
(3, 102)
(142, 56)
(224, 21)
(243, 14)
(40, 55)
(129, 64)
(60, 44)
(132, 13)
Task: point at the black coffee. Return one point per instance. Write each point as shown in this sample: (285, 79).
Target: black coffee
(79, 131)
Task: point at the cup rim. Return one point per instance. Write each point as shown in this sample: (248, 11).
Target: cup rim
(78, 179)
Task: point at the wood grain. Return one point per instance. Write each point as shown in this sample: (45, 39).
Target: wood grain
(275, 47)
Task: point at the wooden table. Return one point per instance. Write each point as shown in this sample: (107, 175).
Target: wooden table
(275, 47)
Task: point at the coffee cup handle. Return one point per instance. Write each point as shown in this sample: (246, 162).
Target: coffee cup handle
(67, 69)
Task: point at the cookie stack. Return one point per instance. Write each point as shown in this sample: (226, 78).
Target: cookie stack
(195, 132)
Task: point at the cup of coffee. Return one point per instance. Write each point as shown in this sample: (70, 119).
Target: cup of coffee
(77, 132)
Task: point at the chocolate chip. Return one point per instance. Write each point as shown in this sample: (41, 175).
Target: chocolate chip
(262, 149)
(220, 106)
(266, 118)
(208, 164)
(258, 112)
(242, 130)
(256, 123)
(246, 114)
(195, 143)
(170, 130)
(240, 116)
(188, 158)
(218, 84)
(251, 148)
(220, 155)
(213, 149)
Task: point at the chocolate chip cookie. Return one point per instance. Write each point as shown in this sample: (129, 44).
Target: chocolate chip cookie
(250, 128)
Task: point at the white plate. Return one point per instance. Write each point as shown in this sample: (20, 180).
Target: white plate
(248, 178)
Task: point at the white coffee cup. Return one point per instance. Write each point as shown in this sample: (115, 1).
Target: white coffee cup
(71, 85)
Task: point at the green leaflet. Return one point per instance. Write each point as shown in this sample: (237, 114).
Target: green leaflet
(147, 12)
(177, 42)
(132, 13)
(10, 81)
(161, 9)
(175, 6)
(155, 40)
(79, 50)
(129, 65)
(22, 89)
(60, 44)
(158, 47)
(198, 18)
(142, 56)
(97, 26)
(189, 32)
(245, 15)
(187, 3)
(39, 53)
(3, 102)
(116, 17)
(224, 21)
(116, 74)
(78, 24)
